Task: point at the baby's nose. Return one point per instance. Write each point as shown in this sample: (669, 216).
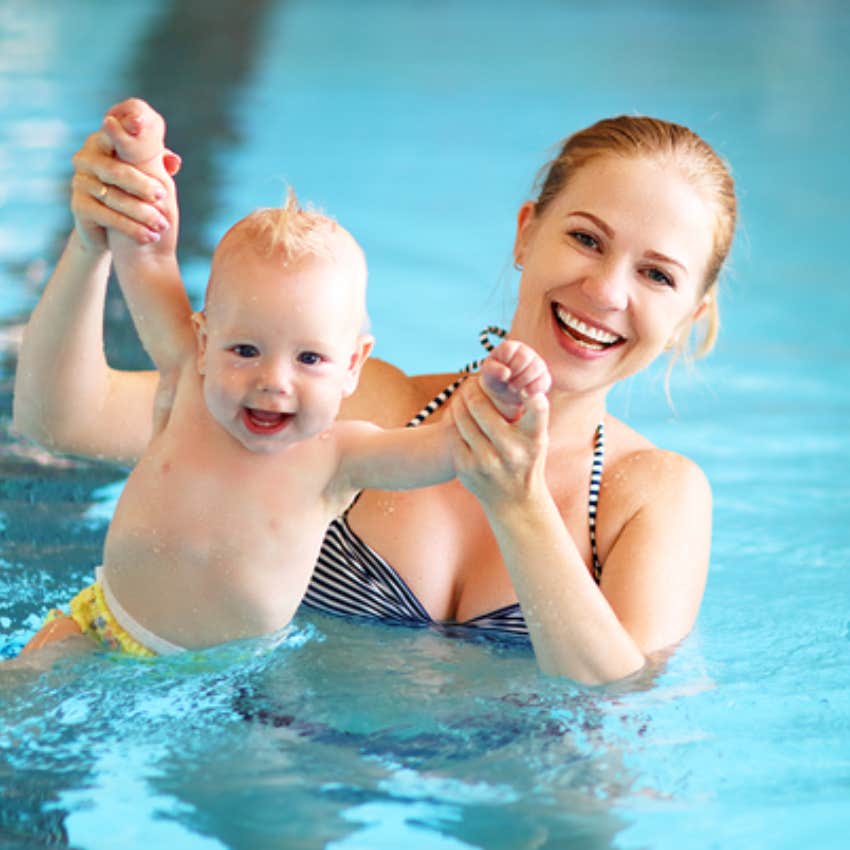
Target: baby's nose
(276, 379)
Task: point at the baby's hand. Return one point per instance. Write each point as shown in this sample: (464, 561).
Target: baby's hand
(510, 374)
(137, 131)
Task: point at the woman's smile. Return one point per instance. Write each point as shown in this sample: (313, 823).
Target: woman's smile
(592, 337)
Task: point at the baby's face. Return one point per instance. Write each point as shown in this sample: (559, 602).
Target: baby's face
(279, 348)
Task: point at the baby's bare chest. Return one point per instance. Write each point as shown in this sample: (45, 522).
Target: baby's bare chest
(198, 495)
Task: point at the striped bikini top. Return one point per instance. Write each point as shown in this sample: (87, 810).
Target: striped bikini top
(351, 579)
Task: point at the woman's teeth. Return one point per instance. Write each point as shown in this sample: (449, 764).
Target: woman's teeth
(586, 335)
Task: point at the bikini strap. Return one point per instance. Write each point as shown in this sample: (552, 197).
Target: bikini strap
(473, 366)
(595, 481)
(598, 444)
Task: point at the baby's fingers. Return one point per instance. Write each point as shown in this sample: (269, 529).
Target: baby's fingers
(496, 371)
(133, 115)
(535, 378)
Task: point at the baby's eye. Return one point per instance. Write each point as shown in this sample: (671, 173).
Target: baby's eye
(658, 276)
(585, 239)
(245, 350)
(310, 358)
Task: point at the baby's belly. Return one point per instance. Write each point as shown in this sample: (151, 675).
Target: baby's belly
(201, 569)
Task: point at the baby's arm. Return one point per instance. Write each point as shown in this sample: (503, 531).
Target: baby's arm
(149, 274)
(510, 374)
(393, 458)
(404, 458)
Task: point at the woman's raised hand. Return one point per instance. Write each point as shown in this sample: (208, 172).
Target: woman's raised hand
(502, 462)
(109, 193)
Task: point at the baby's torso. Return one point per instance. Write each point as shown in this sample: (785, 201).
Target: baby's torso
(211, 542)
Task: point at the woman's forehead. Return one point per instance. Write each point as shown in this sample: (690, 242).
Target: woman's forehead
(646, 199)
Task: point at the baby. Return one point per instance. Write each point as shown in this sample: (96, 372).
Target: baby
(219, 525)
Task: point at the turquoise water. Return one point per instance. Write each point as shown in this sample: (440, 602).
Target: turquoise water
(420, 126)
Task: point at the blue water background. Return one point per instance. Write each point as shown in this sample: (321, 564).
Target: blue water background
(420, 126)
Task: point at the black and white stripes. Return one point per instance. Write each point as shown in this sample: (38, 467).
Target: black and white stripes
(442, 397)
(593, 499)
(351, 579)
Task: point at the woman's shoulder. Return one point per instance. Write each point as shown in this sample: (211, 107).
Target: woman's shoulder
(388, 396)
(639, 472)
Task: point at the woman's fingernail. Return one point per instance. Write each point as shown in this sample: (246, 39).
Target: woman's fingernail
(172, 162)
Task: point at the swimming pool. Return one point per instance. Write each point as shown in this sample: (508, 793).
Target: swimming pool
(420, 126)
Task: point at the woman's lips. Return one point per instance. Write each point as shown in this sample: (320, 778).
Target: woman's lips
(265, 421)
(589, 337)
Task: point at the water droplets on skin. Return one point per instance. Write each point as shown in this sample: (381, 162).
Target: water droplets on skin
(386, 506)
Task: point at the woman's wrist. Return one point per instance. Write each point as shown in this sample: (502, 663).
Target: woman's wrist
(521, 507)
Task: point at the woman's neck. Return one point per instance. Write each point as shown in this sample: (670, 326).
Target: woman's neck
(573, 418)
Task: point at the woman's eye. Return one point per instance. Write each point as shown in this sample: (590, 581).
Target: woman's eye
(245, 350)
(310, 358)
(585, 239)
(658, 276)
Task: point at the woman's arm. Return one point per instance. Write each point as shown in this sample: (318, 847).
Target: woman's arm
(654, 573)
(66, 396)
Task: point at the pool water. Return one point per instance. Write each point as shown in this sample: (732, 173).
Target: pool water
(420, 127)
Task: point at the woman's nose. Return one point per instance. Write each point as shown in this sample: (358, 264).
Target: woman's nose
(607, 286)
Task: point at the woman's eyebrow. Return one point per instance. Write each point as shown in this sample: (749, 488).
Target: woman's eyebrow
(657, 255)
(609, 232)
(606, 229)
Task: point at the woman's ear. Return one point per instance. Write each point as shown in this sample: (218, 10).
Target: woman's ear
(682, 332)
(702, 306)
(524, 222)
(199, 325)
(362, 350)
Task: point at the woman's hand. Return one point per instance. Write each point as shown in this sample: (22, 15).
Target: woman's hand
(109, 193)
(500, 462)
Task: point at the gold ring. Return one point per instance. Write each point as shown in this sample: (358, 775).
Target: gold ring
(102, 192)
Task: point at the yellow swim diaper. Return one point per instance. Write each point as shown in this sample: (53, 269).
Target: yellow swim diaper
(91, 613)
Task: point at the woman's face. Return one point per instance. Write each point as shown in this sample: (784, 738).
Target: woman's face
(612, 270)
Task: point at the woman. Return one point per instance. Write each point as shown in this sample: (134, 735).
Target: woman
(619, 256)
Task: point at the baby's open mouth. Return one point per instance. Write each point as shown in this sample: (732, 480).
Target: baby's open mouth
(588, 336)
(265, 421)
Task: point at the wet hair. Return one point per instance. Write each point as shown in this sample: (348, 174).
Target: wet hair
(641, 137)
(291, 232)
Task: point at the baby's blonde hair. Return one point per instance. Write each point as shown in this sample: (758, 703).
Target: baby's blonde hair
(291, 232)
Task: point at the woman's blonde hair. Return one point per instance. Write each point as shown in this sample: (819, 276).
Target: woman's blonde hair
(641, 137)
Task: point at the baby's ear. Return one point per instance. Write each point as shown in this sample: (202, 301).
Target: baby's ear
(362, 350)
(199, 325)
